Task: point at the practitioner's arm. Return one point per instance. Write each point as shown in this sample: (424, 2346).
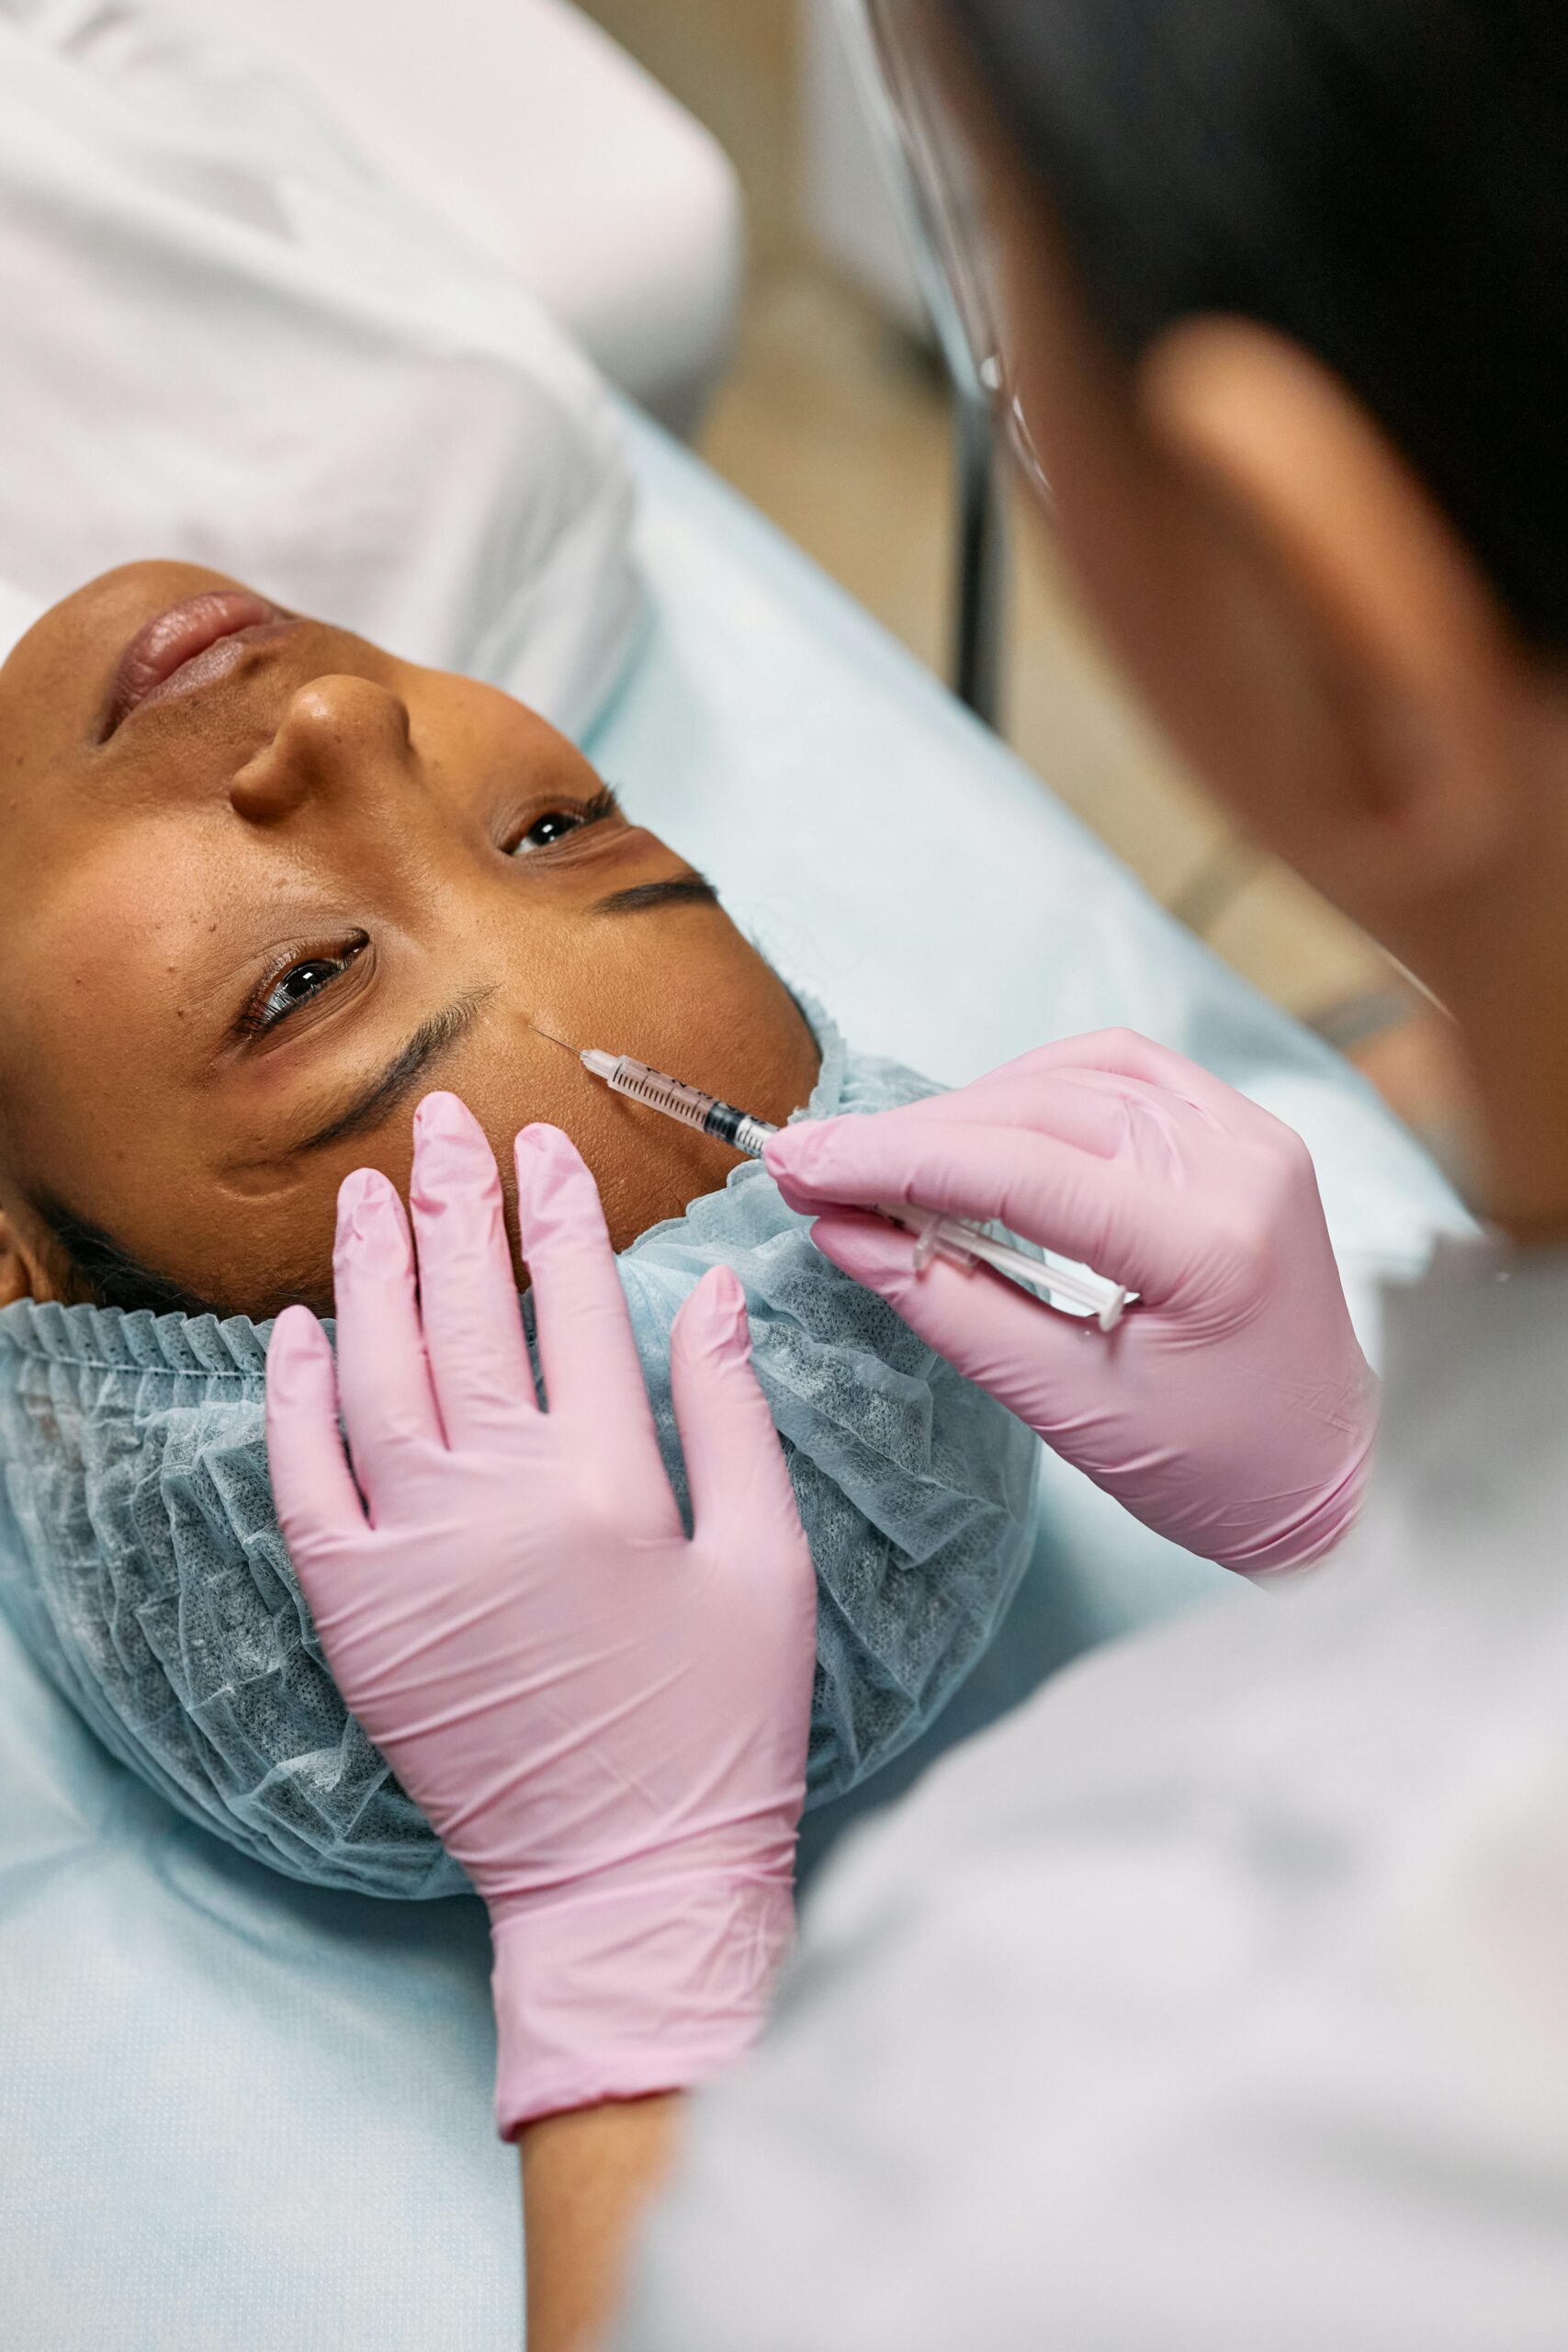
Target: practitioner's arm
(605, 1720)
(587, 2178)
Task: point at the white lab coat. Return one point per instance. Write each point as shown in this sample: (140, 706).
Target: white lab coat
(1217, 2001)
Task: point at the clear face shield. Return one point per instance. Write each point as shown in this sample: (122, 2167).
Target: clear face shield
(907, 58)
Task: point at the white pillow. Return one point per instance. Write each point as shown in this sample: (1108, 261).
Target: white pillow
(16, 613)
(230, 342)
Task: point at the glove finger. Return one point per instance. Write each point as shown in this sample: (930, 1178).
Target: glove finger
(383, 1373)
(586, 1349)
(1020, 1351)
(735, 1469)
(318, 1503)
(468, 1292)
(1107, 1214)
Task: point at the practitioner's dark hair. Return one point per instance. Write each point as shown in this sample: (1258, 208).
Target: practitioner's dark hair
(1386, 181)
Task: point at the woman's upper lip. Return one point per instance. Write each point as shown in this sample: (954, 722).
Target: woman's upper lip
(162, 646)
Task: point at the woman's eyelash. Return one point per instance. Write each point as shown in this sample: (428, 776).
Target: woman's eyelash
(295, 983)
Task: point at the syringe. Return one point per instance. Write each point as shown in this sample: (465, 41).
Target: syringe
(1058, 1282)
(687, 1103)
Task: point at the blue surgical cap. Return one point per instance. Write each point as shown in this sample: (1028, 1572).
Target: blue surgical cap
(142, 1562)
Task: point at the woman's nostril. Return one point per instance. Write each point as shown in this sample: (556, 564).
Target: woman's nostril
(262, 790)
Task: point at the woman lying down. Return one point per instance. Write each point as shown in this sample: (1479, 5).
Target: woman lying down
(262, 886)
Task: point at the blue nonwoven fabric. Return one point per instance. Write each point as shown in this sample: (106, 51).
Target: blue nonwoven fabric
(142, 1562)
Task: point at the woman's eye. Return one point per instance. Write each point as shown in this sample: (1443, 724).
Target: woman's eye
(545, 830)
(302, 983)
(296, 986)
(552, 826)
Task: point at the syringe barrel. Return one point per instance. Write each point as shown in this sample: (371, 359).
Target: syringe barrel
(659, 1091)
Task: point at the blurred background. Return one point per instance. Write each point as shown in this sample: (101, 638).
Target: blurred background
(729, 247)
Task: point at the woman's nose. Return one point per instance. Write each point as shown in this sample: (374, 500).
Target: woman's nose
(340, 736)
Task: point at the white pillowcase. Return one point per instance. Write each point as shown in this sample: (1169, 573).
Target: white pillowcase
(16, 613)
(230, 342)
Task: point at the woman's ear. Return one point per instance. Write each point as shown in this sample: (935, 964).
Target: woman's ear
(1431, 689)
(22, 1274)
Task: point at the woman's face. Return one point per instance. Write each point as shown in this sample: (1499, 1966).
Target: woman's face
(256, 899)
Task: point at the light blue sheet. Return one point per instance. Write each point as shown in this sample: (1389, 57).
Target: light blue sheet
(236, 2114)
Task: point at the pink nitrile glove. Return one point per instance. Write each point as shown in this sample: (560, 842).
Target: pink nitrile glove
(605, 1721)
(1232, 1409)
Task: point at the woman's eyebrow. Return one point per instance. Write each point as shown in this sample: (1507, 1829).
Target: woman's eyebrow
(676, 890)
(431, 1040)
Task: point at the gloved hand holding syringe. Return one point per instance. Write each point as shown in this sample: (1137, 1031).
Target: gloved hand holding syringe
(1234, 1411)
(1071, 1289)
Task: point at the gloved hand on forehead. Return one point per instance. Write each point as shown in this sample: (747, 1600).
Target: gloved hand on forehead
(605, 1720)
(1232, 1409)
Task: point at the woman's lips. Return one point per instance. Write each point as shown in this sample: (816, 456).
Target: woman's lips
(187, 646)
